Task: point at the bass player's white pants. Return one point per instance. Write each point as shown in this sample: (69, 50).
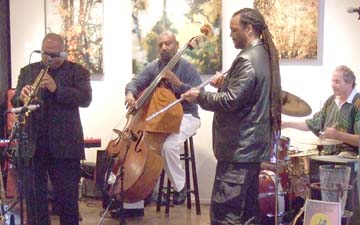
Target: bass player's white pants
(171, 150)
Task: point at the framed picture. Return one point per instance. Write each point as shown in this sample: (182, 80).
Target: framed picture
(321, 212)
(184, 19)
(80, 22)
(294, 26)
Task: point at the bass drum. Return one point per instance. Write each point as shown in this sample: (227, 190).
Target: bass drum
(267, 194)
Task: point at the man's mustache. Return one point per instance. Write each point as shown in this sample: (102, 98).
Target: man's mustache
(165, 56)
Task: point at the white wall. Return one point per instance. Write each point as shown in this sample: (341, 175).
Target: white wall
(308, 80)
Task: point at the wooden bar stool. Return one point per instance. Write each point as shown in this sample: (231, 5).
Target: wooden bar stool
(189, 157)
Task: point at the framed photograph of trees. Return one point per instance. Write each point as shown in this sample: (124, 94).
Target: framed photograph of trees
(184, 19)
(80, 22)
(294, 26)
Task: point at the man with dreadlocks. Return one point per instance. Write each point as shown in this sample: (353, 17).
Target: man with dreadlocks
(247, 119)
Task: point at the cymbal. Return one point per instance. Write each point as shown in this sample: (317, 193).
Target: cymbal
(294, 106)
(304, 153)
(321, 141)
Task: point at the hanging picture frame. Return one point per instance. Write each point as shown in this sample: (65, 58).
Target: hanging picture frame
(294, 26)
(184, 19)
(80, 22)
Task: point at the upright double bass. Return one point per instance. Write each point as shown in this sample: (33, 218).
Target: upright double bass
(136, 149)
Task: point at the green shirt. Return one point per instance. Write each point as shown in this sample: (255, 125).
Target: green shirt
(346, 119)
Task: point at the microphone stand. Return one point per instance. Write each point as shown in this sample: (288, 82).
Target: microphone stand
(20, 164)
(18, 133)
(8, 154)
(122, 192)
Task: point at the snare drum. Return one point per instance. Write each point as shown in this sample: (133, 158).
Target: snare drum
(267, 194)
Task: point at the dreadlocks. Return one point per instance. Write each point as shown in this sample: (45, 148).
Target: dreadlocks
(256, 20)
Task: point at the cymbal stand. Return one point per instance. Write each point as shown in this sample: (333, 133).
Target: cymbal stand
(122, 192)
(277, 149)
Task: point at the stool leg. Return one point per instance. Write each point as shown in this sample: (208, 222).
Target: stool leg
(195, 180)
(160, 192)
(187, 173)
(168, 193)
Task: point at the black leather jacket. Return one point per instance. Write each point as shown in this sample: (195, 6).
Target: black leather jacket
(241, 124)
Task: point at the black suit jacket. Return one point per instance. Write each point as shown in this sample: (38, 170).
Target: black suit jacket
(56, 125)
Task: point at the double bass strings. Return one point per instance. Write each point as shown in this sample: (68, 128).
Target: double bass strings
(181, 99)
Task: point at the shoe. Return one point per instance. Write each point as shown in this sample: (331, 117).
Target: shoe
(179, 197)
(151, 198)
(127, 213)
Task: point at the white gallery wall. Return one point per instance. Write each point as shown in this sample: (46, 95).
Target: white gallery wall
(310, 80)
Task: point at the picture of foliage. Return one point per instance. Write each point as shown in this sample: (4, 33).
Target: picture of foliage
(294, 26)
(80, 23)
(182, 17)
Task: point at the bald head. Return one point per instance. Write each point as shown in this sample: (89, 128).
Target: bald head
(54, 39)
(168, 45)
(53, 43)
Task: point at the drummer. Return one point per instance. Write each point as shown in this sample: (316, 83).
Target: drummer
(339, 118)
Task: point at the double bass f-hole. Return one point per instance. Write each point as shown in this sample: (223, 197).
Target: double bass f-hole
(141, 134)
(129, 136)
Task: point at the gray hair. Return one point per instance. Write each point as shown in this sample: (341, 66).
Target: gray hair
(348, 74)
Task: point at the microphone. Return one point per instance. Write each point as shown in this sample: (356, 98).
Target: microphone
(52, 54)
(23, 109)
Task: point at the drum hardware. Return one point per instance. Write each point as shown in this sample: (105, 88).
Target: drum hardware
(291, 170)
(283, 148)
(339, 189)
(275, 176)
(321, 141)
(304, 153)
(294, 106)
(249, 221)
(299, 187)
(299, 164)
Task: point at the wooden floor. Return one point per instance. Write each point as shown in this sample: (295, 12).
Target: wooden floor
(91, 209)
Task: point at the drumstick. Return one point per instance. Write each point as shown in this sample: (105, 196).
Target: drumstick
(181, 99)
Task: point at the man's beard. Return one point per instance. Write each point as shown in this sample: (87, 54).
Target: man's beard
(165, 57)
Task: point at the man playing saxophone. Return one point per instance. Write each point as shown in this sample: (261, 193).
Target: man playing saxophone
(55, 136)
